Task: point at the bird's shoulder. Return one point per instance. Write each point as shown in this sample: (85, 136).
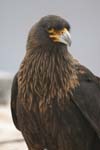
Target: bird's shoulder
(84, 74)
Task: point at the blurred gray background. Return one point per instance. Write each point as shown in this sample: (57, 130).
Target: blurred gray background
(17, 17)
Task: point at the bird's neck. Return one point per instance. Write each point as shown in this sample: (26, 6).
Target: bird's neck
(48, 73)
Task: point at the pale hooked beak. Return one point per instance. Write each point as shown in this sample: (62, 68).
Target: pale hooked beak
(62, 36)
(65, 38)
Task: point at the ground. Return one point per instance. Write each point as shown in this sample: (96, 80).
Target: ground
(10, 137)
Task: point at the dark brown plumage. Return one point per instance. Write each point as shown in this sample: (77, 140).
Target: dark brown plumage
(55, 101)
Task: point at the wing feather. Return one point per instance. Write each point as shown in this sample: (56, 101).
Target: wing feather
(14, 94)
(87, 98)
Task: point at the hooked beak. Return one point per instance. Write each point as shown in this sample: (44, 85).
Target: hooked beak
(62, 36)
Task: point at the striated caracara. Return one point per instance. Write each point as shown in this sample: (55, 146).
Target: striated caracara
(55, 101)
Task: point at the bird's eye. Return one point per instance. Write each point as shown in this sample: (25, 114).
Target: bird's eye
(59, 27)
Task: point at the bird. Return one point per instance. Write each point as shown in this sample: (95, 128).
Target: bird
(55, 100)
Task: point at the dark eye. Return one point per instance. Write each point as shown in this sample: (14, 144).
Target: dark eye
(58, 27)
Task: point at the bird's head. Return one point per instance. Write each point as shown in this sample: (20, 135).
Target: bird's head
(52, 29)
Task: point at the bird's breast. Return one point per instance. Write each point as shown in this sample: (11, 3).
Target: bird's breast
(47, 78)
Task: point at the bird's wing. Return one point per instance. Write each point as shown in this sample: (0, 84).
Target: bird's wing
(87, 97)
(14, 93)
